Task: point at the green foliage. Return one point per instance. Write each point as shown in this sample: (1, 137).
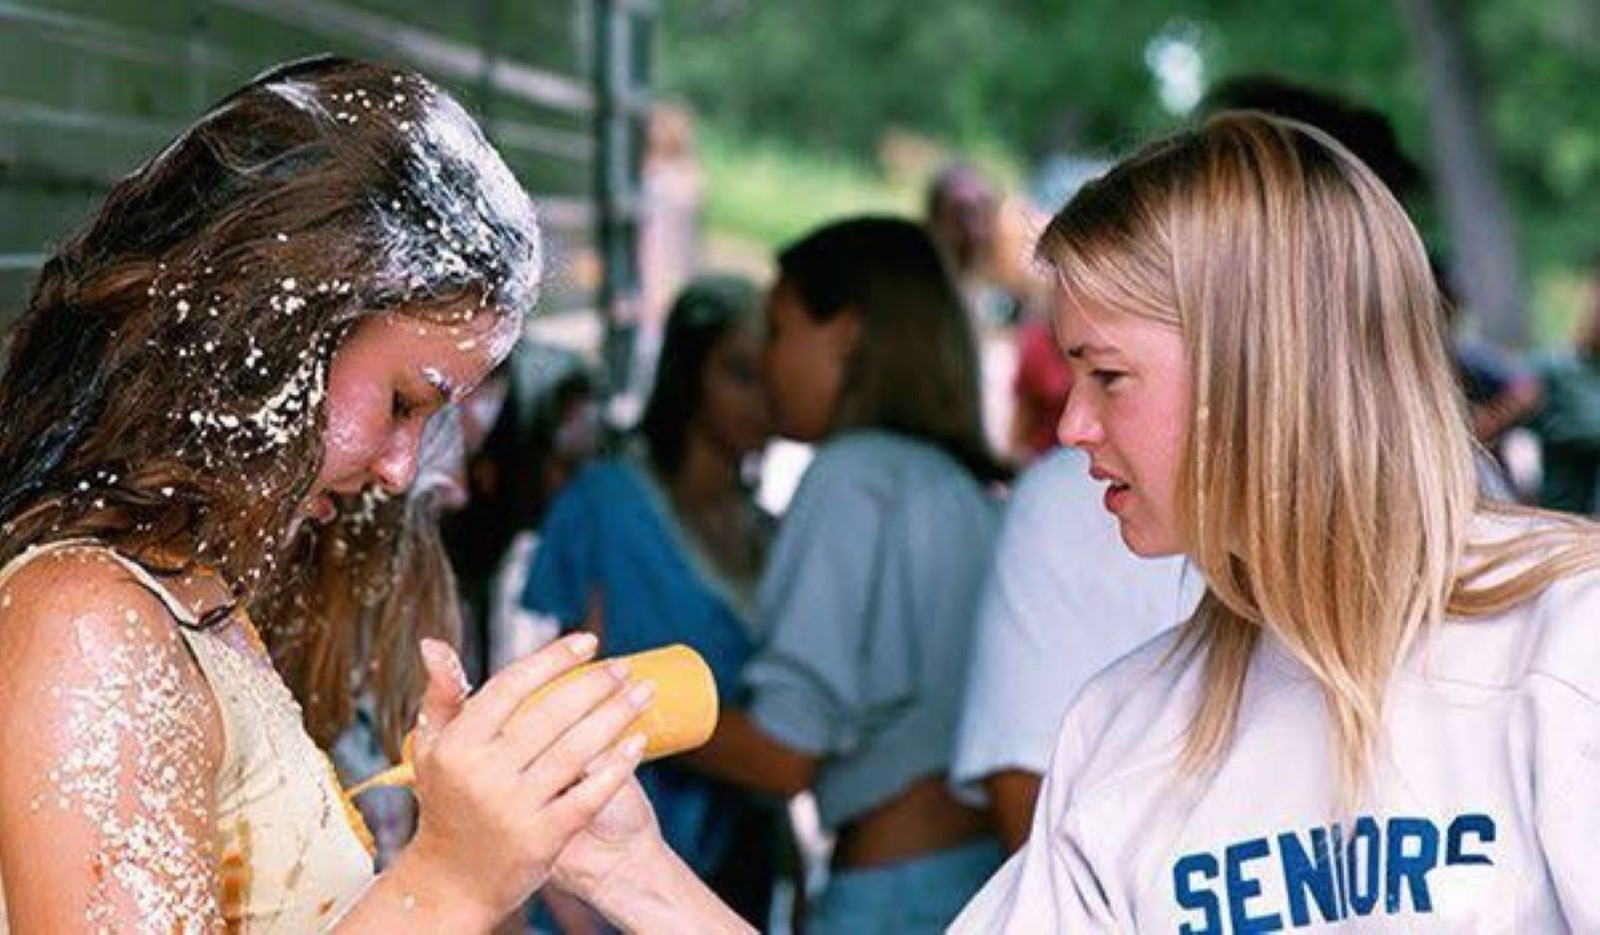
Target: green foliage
(1030, 77)
(769, 193)
(1540, 67)
(833, 73)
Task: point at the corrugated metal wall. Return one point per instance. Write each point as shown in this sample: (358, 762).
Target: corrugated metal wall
(90, 88)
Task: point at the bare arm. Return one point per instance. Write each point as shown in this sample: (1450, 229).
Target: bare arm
(742, 754)
(1513, 406)
(620, 866)
(661, 894)
(112, 744)
(1013, 793)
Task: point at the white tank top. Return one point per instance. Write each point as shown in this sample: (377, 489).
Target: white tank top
(291, 855)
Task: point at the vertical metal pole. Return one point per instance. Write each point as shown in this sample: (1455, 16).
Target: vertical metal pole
(604, 105)
(489, 49)
(619, 281)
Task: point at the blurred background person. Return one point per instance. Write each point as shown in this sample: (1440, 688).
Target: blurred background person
(1039, 387)
(1568, 424)
(1501, 391)
(672, 190)
(524, 432)
(1064, 599)
(963, 213)
(868, 602)
(664, 544)
(1040, 376)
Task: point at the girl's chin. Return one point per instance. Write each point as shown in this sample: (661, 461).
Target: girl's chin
(1141, 543)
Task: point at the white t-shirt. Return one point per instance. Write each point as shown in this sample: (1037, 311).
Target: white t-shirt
(1064, 599)
(1482, 814)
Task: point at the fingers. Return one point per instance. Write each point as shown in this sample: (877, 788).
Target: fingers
(556, 708)
(445, 692)
(486, 713)
(576, 809)
(557, 763)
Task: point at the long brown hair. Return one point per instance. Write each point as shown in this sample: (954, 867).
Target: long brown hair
(163, 391)
(1327, 487)
(915, 370)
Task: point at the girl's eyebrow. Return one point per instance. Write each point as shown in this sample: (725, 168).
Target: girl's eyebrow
(1086, 349)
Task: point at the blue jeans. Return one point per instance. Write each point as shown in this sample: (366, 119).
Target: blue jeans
(920, 895)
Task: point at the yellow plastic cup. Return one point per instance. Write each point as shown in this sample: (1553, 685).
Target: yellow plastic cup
(681, 717)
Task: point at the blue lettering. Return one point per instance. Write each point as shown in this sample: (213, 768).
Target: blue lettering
(1241, 889)
(1205, 866)
(1302, 876)
(1337, 843)
(1331, 873)
(1361, 866)
(1480, 827)
(1405, 871)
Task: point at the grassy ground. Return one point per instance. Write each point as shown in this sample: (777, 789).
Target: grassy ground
(764, 194)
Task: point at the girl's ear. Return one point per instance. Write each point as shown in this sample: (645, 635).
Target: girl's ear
(844, 332)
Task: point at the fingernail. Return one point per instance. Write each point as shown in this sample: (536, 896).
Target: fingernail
(641, 693)
(633, 747)
(440, 653)
(618, 670)
(436, 652)
(583, 645)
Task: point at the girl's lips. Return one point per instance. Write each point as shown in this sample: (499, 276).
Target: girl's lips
(322, 509)
(1117, 497)
(1096, 472)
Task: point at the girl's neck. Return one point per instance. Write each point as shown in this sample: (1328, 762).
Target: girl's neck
(709, 474)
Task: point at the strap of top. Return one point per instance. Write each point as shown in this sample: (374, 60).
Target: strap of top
(148, 581)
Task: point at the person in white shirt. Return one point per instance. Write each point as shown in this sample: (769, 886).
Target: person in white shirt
(1385, 713)
(1064, 599)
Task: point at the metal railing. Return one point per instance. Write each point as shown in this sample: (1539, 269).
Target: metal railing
(561, 86)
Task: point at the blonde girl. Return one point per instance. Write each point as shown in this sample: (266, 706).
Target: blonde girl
(1386, 709)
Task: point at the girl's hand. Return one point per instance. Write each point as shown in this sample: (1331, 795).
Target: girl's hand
(620, 866)
(620, 836)
(502, 792)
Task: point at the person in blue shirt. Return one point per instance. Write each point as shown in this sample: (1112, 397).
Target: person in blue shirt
(868, 601)
(664, 543)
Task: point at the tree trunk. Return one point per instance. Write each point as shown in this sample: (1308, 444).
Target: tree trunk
(1485, 262)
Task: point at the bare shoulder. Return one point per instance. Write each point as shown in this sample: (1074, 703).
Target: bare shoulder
(76, 610)
(75, 622)
(113, 744)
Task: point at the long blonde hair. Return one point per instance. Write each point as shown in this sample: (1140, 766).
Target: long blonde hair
(1327, 490)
